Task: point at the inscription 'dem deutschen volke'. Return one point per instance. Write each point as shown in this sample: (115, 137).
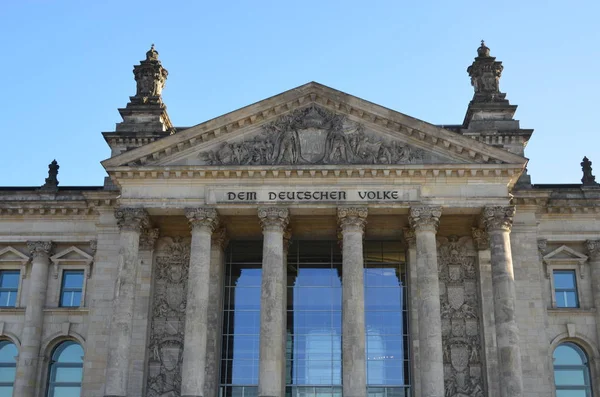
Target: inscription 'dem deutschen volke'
(308, 195)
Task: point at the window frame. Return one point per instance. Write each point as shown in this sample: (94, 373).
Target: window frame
(565, 258)
(16, 290)
(588, 386)
(69, 259)
(9, 365)
(555, 290)
(63, 273)
(12, 259)
(51, 367)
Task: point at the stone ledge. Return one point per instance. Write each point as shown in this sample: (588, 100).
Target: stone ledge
(70, 310)
(571, 311)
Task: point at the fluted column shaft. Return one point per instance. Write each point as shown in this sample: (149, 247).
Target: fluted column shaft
(424, 221)
(271, 370)
(498, 222)
(131, 221)
(215, 312)
(352, 221)
(29, 354)
(203, 222)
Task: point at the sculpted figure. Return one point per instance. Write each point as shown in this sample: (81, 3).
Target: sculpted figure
(288, 147)
(336, 147)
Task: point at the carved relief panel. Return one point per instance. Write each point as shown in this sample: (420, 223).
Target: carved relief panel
(314, 135)
(165, 353)
(461, 314)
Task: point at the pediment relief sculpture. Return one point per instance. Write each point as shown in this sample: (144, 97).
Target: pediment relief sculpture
(314, 135)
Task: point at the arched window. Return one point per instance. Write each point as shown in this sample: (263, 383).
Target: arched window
(8, 366)
(66, 370)
(571, 371)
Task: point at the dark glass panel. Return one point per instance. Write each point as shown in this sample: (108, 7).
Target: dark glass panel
(9, 279)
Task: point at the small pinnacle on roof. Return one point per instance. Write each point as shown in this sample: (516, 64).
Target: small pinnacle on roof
(152, 54)
(588, 178)
(52, 180)
(483, 51)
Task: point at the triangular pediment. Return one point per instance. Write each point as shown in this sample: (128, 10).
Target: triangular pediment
(564, 254)
(313, 125)
(10, 254)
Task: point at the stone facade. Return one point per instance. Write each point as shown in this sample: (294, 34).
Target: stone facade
(480, 243)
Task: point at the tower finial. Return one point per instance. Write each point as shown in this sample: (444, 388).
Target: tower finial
(483, 51)
(485, 75)
(52, 180)
(150, 77)
(588, 178)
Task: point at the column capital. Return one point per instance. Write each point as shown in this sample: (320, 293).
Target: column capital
(202, 217)
(148, 238)
(219, 238)
(132, 219)
(276, 218)
(40, 249)
(352, 218)
(410, 237)
(481, 239)
(425, 217)
(593, 248)
(498, 218)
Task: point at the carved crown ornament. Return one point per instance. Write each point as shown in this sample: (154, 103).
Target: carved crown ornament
(280, 114)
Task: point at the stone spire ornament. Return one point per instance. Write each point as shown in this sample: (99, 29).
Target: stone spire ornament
(52, 180)
(485, 73)
(150, 77)
(588, 178)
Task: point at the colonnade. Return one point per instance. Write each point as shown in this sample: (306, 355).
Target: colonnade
(201, 353)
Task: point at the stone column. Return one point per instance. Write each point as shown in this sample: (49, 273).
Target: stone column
(271, 370)
(215, 312)
(593, 248)
(29, 354)
(425, 220)
(203, 222)
(352, 222)
(498, 222)
(131, 221)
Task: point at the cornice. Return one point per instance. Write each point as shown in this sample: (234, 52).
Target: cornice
(89, 205)
(543, 203)
(430, 135)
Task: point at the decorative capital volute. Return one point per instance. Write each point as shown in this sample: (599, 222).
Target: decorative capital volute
(498, 218)
(273, 218)
(352, 218)
(425, 218)
(40, 249)
(132, 219)
(409, 237)
(481, 239)
(148, 239)
(593, 248)
(219, 238)
(202, 218)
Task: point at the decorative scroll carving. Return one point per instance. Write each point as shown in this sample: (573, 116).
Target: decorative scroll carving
(481, 239)
(148, 238)
(498, 218)
(425, 217)
(202, 218)
(352, 218)
(313, 135)
(461, 313)
(133, 219)
(273, 217)
(168, 317)
(41, 249)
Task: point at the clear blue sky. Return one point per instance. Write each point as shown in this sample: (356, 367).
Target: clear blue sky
(67, 67)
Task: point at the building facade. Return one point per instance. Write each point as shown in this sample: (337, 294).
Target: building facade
(310, 244)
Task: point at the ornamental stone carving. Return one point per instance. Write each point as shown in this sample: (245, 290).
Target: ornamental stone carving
(148, 239)
(273, 218)
(40, 249)
(485, 73)
(425, 218)
(461, 313)
(313, 135)
(481, 239)
(202, 218)
(165, 349)
(132, 219)
(150, 77)
(498, 218)
(219, 238)
(593, 248)
(352, 218)
(410, 237)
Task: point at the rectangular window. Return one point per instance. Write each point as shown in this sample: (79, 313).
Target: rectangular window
(9, 286)
(72, 288)
(565, 288)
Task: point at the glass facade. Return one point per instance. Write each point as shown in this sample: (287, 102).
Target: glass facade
(314, 319)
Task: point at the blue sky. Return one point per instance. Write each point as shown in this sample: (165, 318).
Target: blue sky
(67, 67)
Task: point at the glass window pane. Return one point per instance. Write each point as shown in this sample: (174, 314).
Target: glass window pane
(8, 352)
(572, 393)
(573, 377)
(7, 374)
(64, 391)
(6, 391)
(73, 279)
(8, 298)
(69, 352)
(9, 279)
(571, 299)
(567, 355)
(564, 279)
(561, 299)
(66, 374)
